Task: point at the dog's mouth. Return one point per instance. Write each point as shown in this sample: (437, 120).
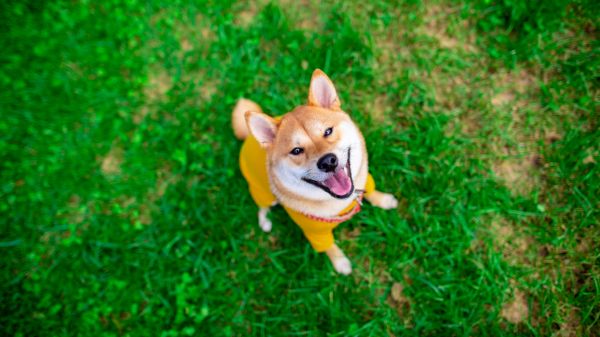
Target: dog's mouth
(340, 184)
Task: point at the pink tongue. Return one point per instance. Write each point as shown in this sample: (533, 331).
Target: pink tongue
(339, 183)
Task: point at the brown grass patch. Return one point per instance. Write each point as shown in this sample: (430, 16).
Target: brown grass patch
(247, 14)
(516, 310)
(164, 179)
(571, 325)
(377, 276)
(305, 14)
(518, 174)
(204, 88)
(138, 211)
(159, 83)
(75, 214)
(437, 24)
(451, 90)
(155, 92)
(503, 98)
(399, 302)
(503, 236)
(195, 34)
(111, 163)
(399, 47)
(377, 108)
(589, 159)
(349, 237)
(514, 142)
(508, 239)
(517, 87)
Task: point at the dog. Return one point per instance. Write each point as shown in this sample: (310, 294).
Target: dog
(312, 161)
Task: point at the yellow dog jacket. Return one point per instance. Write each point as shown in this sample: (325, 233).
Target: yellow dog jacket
(318, 231)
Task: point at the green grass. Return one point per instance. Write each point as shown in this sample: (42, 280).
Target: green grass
(123, 211)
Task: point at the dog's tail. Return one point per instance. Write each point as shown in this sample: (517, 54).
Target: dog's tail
(238, 117)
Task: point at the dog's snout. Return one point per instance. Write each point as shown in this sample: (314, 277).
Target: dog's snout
(328, 162)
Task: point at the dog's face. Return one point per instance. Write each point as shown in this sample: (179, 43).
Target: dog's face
(315, 151)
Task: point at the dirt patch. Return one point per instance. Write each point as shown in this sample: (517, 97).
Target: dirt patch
(138, 210)
(516, 128)
(305, 14)
(571, 325)
(450, 90)
(247, 14)
(164, 179)
(391, 51)
(585, 244)
(378, 108)
(507, 238)
(392, 57)
(155, 92)
(350, 239)
(469, 125)
(398, 301)
(159, 83)
(347, 234)
(111, 163)
(437, 24)
(552, 136)
(194, 34)
(589, 159)
(516, 310)
(518, 174)
(400, 51)
(205, 88)
(74, 213)
(516, 87)
(503, 98)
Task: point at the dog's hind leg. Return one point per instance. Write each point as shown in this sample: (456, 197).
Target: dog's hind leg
(263, 221)
(238, 119)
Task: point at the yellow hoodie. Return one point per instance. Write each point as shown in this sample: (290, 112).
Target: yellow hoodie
(318, 231)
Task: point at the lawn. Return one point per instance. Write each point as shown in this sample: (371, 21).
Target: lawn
(123, 211)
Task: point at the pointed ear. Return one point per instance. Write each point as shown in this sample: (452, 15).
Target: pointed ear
(262, 127)
(322, 92)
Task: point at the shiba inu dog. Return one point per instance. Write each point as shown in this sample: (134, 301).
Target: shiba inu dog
(312, 161)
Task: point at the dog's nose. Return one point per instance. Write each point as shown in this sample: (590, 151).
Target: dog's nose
(328, 162)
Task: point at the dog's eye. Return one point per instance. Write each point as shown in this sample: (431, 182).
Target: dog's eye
(328, 132)
(296, 151)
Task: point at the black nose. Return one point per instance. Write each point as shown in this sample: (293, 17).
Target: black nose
(328, 162)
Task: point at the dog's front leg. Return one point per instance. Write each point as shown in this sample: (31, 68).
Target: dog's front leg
(383, 200)
(263, 221)
(340, 262)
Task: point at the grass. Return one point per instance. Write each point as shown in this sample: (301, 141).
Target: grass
(123, 211)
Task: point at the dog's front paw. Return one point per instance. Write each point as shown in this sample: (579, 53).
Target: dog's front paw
(342, 265)
(264, 222)
(383, 200)
(388, 201)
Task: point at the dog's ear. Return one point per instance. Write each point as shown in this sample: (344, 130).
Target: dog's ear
(262, 127)
(322, 92)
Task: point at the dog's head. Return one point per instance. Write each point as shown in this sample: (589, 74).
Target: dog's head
(315, 151)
